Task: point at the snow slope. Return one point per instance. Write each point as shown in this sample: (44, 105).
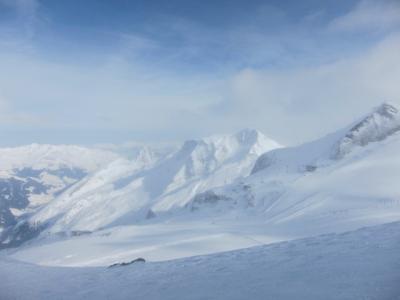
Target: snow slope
(156, 241)
(343, 181)
(362, 264)
(122, 193)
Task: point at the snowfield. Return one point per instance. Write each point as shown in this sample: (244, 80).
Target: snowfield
(362, 264)
(154, 242)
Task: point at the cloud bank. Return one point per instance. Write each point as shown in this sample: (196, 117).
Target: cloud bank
(293, 77)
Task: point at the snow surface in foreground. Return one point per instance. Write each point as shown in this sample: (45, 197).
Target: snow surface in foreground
(363, 264)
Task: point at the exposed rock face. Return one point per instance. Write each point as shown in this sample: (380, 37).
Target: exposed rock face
(14, 194)
(23, 192)
(381, 123)
(206, 199)
(123, 264)
(13, 236)
(150, 215)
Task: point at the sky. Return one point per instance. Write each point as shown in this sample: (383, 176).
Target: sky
(89, 72)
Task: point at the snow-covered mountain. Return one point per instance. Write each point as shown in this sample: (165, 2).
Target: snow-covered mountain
(33, 175)
(225, 193)
(345, 180)
(124, 192)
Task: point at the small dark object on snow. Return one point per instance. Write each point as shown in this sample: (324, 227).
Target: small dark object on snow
(310, 168)
(80, 232)
(150, 214)
(127, 263)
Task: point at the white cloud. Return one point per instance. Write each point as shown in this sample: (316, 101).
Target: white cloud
(292, 105)
(10, 117)
(292, 93)
(369, 15)
(300, 104)
(107, 96)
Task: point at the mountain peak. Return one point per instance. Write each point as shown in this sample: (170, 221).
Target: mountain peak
(387, 109)
(382, 122)
(243, 138)
(248, 135)
(256, 140)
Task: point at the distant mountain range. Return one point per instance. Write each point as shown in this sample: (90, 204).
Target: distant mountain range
(127, 191)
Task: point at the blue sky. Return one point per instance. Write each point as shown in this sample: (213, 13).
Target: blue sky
(112, 71)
